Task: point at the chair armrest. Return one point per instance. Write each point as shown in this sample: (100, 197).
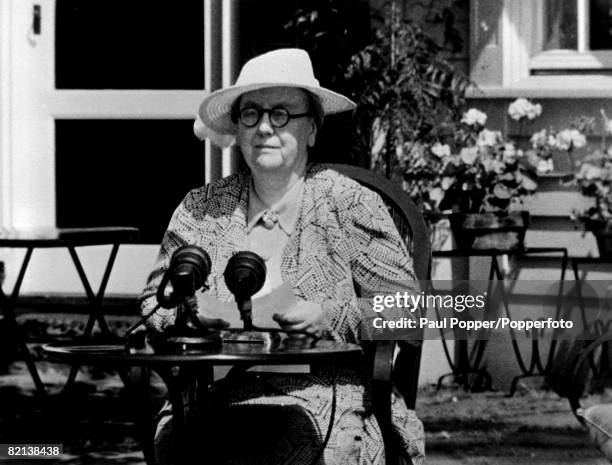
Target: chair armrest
(382, 388)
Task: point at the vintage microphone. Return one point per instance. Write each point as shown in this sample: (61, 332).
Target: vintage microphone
(189, 268)
(244, 275)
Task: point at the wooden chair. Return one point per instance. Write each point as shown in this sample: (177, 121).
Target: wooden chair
(396, 363)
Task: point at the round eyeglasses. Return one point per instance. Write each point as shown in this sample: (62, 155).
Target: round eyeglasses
(279, 117)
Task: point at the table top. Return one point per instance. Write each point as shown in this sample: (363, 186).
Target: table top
(496, 252)
(286, 351)
(62, 237)
(603, 260)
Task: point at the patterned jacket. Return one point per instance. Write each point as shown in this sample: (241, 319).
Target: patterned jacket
(344, 244)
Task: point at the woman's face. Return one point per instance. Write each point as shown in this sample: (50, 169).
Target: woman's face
(265, 147)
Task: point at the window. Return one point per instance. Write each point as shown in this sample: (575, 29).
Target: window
(133, 169)
(544, 45)
(576, 37)
(134, 175)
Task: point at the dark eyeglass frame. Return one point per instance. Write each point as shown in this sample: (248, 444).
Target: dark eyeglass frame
(269, 111)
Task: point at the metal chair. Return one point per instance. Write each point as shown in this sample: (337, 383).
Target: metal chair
(396, 363)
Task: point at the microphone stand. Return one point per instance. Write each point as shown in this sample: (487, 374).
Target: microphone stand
(187, 334)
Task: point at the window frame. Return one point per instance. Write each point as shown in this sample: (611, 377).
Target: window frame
(505, 42)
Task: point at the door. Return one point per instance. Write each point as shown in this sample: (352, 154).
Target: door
(98, 99)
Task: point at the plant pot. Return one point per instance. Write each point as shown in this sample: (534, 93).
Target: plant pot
(495, 230)
(602, 230)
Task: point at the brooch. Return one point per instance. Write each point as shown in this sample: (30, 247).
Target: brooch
(269, 219)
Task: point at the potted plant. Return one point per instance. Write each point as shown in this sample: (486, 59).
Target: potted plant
(594, 178)
(406, 92)
(485, 181)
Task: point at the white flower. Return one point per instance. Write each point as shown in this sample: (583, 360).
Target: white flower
(488, 138)
(510, 153)
(590, 172)
(545, 166)
(446, 182)
(440, 150)
(473, 117)
(523, 108)
(564, 140)
(468, 155)
(578, 139)
(534, 111)
(436, 195)
(539, 139)
(570, 138)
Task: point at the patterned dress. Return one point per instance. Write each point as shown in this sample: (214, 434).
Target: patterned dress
(344, 239)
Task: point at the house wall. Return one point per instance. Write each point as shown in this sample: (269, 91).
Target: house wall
(556, 200)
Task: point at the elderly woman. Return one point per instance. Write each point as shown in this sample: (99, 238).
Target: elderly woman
(319, 232)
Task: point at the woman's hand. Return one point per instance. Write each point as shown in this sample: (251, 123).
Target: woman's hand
(303, 316)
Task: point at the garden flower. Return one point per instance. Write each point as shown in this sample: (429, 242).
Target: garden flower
(436, 195)
(473, 117)
(440, 150)
(590, 172)
(540, 139)
(594, 179)
(545, 166)
(446, 182)
(468, 155)
(570, 138)
(488, 138)
(473, 168)
(510, 154)
(523, 108)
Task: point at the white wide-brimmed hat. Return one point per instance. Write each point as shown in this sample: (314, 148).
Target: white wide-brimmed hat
(288, 67)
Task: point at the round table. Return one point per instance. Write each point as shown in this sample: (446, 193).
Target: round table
(194, 377)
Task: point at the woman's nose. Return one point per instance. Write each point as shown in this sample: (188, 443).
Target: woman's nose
(265, 125)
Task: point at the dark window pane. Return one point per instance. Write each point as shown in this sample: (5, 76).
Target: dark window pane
(601, 25)
(561, 31)
(125, 172)
(263, 29)
(133, 44)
